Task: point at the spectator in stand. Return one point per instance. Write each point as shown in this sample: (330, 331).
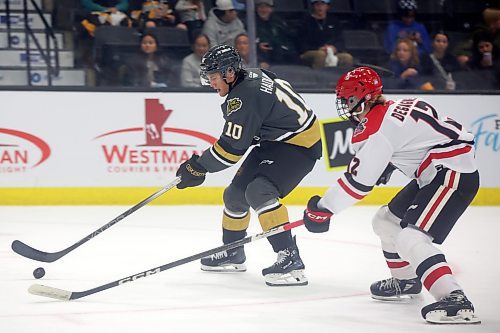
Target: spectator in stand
(320, 36)
(407, 27)
(491, 24)
(223, 25)
(149, 68)
(192, 14)
(405, 64)
(484, 53)
(97, 13)
(152, 14)
(104, 12)
(190, 70)
(441, 63)
(242, 45)
(275, 40)
(105, 5)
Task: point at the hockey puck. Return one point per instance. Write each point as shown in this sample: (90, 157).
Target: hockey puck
(39, 273)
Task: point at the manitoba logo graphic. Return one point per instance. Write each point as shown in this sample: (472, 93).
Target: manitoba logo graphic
(20, 151)
(153, 148)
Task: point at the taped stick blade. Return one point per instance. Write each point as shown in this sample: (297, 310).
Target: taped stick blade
(51, 292)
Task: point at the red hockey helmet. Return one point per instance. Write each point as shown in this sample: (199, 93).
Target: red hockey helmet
(354, 88)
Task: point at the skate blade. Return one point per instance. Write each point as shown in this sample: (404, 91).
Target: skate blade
(226, 268)
(462, 317)
(293, 278)
(397, 299)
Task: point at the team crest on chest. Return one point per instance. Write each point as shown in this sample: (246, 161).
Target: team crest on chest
(361, 127)
(233, 105)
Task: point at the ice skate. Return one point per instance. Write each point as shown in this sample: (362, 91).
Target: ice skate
(453, 309)
(225, 261)
(288, 270)
(396, 290)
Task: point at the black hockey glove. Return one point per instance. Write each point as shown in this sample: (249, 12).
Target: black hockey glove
(386, 175)
(191, 172)
(316, 219)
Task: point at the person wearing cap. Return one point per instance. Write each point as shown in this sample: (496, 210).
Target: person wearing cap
(223, 25)
(321, 34)
(275, 40)
(407, 27)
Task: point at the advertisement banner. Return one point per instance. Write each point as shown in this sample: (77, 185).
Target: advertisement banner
(134, 139)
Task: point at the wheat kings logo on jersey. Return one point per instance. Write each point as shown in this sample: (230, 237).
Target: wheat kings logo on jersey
(233, 105)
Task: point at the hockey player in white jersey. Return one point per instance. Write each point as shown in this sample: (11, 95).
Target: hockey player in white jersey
(438, 155)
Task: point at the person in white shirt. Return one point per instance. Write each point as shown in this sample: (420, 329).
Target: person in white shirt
(223, 25)
(190, 69)
(438, 155)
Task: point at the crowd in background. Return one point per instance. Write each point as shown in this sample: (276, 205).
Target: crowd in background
(414, 54)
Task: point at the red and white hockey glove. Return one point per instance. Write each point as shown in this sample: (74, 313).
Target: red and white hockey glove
(316, 219)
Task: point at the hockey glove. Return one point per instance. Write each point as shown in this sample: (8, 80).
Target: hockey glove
(316, 219)
(386, 175)
(191, 172)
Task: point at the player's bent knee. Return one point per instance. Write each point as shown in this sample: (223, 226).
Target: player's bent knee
(260, 191)
(409, 239)
(234, 199)
(385, 224)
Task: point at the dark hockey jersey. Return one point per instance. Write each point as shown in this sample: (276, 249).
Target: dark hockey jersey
(261, 107)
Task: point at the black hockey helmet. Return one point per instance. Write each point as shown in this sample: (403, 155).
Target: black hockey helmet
(220, 58)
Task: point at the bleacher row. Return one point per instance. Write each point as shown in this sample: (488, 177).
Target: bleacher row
(363, 23)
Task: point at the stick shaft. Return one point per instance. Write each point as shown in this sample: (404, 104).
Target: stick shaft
(32, 253)
(51, 292)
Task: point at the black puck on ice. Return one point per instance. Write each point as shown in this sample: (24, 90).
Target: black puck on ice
(39, 273)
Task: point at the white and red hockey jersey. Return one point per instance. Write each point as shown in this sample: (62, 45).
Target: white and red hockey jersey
(409, 134)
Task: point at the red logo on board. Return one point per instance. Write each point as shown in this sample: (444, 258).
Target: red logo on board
(163, 148)
(20, 151)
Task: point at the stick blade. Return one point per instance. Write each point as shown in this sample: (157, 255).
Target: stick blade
(31, 253)
(51, 292)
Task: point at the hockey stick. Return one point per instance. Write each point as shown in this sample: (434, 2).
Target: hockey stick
(32, 253)
(65, 295)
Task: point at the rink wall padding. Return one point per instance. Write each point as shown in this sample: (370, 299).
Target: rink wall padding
(88, 147)
(192, 196)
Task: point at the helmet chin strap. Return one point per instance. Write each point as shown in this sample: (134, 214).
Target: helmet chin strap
(235, 80)
(224, 77)
(361, 104)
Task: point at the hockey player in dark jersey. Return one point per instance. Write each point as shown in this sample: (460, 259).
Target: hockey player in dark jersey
(259, 108)
(437, 153)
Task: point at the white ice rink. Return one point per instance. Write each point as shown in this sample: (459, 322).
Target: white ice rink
(340, 265)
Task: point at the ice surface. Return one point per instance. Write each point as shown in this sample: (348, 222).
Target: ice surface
(340, 265)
